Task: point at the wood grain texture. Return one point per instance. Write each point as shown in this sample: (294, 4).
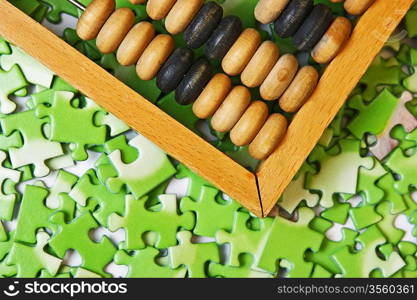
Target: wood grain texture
(140, 114)
(337, 82)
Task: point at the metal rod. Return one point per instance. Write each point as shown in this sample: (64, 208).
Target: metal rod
(78, 4)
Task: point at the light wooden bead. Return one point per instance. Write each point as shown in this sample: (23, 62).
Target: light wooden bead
(249, 124)
(300, 89)
(269, 137)
(212, 96)
(267, 11)
(154, 56)
(158, 9)
(260, 65)
(115, 30)
(181, 15)
(231, 109)
(241, 52)
(357, 7)
(332, 41)
(279, 78)
(135, 43)
(93, 18)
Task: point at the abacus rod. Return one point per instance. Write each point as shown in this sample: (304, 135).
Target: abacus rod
(78, 4)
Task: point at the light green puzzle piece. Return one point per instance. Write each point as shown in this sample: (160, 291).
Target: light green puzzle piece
(7, 201)
(139, 220)
(209, 200)
(142, 264)
(34, 72)
(193, 256)
(31, 260)
(150, 169)
(10, 82)
(244, 270)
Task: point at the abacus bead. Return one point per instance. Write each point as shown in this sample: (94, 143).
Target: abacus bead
(203, 25)
(154, 56)
(135, 43)
(268, 138)
(299, 90)
(212, 96)
(158, 9)
(332, 41)
(181, 15)
(223, 37)
(231, 109)
(93, 18)
(260, 64)
(267, 11)
(115, 30)
(292, 17)
(357, 7)
(193, 82)
(313, 28)
(249, 124)
(279, 78)
(174, 69)
(241, 52)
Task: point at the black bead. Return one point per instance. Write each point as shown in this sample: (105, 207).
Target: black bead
(203, 25)
(291, 18)
(223, 37)
(174, 69)
(313, 28)
(193, 82)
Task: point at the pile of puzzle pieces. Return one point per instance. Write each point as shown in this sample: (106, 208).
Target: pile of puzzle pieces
(338, 218)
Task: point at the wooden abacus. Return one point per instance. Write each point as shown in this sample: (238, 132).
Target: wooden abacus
(231, 107)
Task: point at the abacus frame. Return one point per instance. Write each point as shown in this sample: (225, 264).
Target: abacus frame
(257, 191)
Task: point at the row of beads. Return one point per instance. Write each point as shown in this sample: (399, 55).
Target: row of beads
(312, 27)
(154, 55)
(242, 53)
(231, 108)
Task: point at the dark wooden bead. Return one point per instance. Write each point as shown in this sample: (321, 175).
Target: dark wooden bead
(174, 69)
(291, 18)
(223, 37)
(193, 82)
(203, 25)
(313, 28)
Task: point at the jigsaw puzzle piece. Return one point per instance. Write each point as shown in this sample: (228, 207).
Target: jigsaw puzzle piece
(57, 8)
(143, 264)
(7, 200)
(11, 82)
(138, 220)
(287, 243)
(193, 256)
(210, 200)
(330, 180)
(244, 270)
(405, 168)
(33, 214)
(89, 188)
(361, 263)
(151, 168)
(31, 260)
(74, 235)
(34, 72)
(65, 129)
(242, 239)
